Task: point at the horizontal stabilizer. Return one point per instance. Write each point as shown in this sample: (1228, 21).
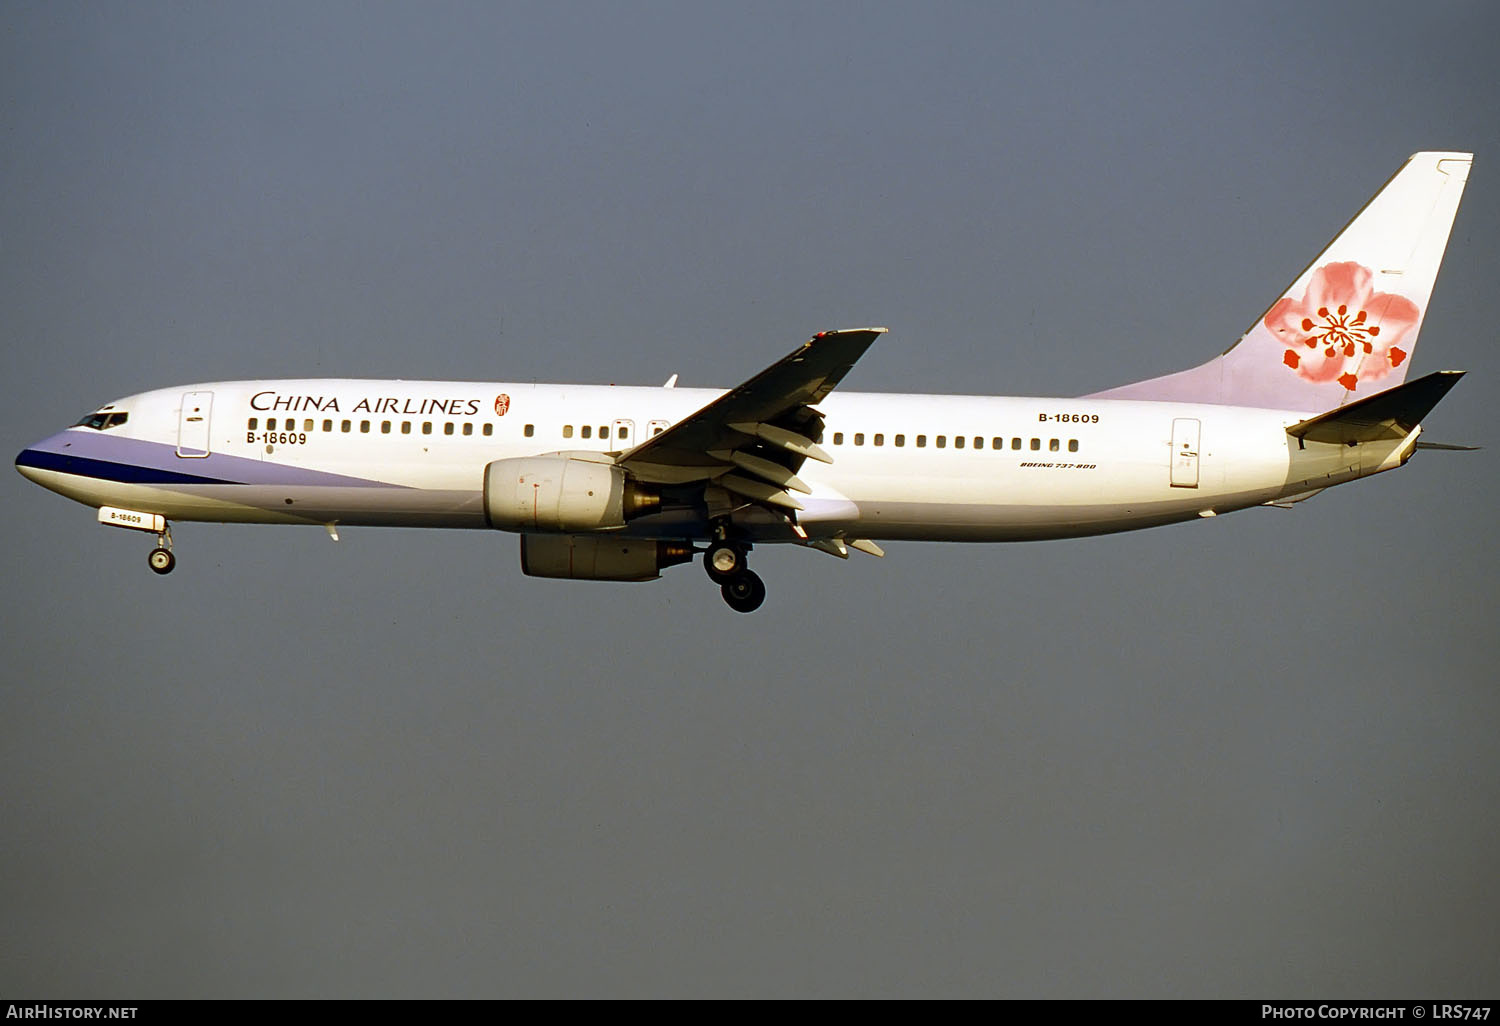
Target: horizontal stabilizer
(1388, 415)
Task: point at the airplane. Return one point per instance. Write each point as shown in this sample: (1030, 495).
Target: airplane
(609, 483)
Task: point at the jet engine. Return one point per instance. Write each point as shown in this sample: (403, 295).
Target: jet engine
(594, 557)
(563, 494)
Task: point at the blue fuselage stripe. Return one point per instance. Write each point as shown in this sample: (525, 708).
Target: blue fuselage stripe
(106, 471)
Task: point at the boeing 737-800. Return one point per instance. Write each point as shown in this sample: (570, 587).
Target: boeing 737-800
(613, 483)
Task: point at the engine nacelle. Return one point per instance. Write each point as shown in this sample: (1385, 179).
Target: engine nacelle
(593, 557)
(563, 494)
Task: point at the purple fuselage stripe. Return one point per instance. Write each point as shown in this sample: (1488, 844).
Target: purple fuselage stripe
(85, 444)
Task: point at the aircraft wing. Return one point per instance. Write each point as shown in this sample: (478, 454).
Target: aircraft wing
(754, 437)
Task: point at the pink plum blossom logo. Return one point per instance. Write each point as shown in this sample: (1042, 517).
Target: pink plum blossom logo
(1342, 329)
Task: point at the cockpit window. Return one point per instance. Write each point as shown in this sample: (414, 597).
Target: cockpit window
(102, 421)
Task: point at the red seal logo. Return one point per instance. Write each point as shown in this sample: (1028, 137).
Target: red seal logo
(502, 403)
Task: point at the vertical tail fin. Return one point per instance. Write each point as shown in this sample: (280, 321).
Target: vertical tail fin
(1346, 328)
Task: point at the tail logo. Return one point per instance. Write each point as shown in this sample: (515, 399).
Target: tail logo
(1342, 329)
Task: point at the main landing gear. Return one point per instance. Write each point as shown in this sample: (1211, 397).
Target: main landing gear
(744, 592)
(742, 588)
(161, 559)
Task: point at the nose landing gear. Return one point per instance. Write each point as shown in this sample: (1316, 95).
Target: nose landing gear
(161, 559)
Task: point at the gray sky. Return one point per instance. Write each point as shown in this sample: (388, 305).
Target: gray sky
(1250, 757)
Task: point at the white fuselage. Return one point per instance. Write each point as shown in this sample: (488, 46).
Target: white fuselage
(912, 467)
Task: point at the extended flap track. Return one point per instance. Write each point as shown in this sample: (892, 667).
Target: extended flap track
(766, 465)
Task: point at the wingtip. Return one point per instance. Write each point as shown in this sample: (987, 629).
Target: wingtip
(851, 331)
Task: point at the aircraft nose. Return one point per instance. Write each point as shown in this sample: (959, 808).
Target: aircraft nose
(40, 456)
(26, 463)
(27, 471)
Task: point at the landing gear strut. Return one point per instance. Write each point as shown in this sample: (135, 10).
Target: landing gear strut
(161, 559)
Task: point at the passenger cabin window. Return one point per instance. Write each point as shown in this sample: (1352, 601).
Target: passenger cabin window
(468, 428)
(900, 441)
(921, 441)
(568, 431)
(586, 431)
(528, 431)
(859, 438)
(254, 421)
(880, 439)
(346, 426)
(426, 427)
(838, 438)
(1072, 445)
(1015, 443)
(385, 427)
(307, 425)
(364, 427)
(997, 443)
(958, 441)
(604, 432)
(406, 427)
(328, 425)
(942, 441)
(1036, 443)
(1054, 445)
(270, 423)
(448, 428)
(978, 442)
